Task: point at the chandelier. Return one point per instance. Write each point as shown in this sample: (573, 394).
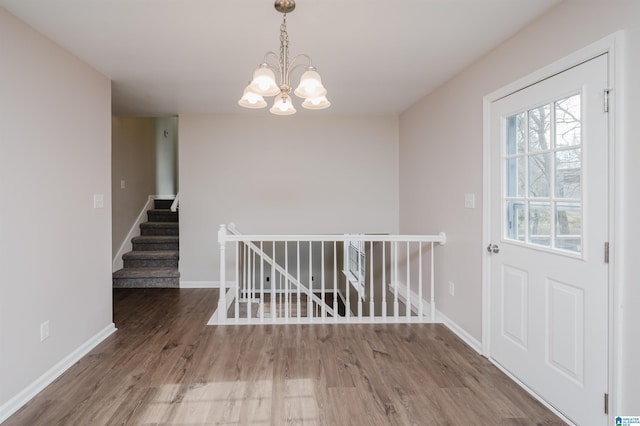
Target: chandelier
(264, 82)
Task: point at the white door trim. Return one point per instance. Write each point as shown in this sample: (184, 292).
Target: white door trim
(613, 45)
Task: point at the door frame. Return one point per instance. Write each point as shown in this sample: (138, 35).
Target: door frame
(612, 45)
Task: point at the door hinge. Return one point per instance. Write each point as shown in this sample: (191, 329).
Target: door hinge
(606, 99)
(606, 403)
(606, 252)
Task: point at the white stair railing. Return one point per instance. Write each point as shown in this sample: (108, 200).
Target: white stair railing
(362, 278)
(282, 273)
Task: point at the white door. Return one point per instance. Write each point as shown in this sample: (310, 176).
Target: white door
(548, 226)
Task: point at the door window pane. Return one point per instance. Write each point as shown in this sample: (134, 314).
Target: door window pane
(539, 128)
(540, 224)
(539, 179)
(516, 225)
(568, 128)
(515, 177)
(568, 174)
(515, 134)
(569, 227)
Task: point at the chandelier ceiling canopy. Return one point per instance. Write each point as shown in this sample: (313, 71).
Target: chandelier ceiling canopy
(264, 82)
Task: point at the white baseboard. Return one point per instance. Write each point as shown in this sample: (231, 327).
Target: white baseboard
(440, 317)
(402, 297)
(199, 284)
(475, 344)
(532, 393)
(15, 403)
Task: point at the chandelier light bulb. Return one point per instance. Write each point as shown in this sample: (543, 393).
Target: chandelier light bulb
(264, 82)
(282, 106)
(251, 100)
(310, 85)
(320, 102)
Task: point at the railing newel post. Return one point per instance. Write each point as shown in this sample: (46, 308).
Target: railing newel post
(222, 299)
(433, 286)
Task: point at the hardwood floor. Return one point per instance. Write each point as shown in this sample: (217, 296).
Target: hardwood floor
(164, 365)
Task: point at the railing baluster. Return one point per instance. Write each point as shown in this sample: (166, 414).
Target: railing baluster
(273, 286)
(236, 303)
(371, 291)
(252, 283)
(247, 289)
(253, 276)
(261, 303)
(281, 295)
(245, 274)
(420, 299)
(384, 280)
(396, 306)
(347, 283)
(286, 268)
(408, 308)
(335, 281)
(360, 280)
(309, 305)
(298, 313)
(324, 305)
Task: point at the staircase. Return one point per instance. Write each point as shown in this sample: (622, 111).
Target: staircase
(153, 263)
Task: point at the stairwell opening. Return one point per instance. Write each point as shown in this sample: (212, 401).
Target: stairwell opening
(145, 232)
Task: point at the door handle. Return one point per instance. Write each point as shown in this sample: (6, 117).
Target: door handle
(493, 248)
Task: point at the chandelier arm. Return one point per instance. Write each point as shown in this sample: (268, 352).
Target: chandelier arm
(275, 64)
(296, 67)
(298, 57)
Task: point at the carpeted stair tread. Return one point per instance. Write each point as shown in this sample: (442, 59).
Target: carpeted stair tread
(156, 239)
(159, 228)
(153, 263)
(159, 225)
(162, 204)
(152, 254)
(146, 273)
(162, 215)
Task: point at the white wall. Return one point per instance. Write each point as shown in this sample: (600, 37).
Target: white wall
(133, 160)
(441, 159)
(268, 174)
(55, 248)
(166, 155)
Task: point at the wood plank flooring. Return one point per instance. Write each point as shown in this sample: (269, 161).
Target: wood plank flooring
(164, 365)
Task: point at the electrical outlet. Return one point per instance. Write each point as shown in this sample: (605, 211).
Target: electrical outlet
(452, 289)
(44, 330)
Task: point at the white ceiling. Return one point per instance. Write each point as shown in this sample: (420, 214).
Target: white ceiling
(169, 57)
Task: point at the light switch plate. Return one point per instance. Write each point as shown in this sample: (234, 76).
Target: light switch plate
(469, 201)
(98, 201)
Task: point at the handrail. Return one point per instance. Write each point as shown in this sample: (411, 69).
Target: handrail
(441, 238)
(176, 202)
(264, 256)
